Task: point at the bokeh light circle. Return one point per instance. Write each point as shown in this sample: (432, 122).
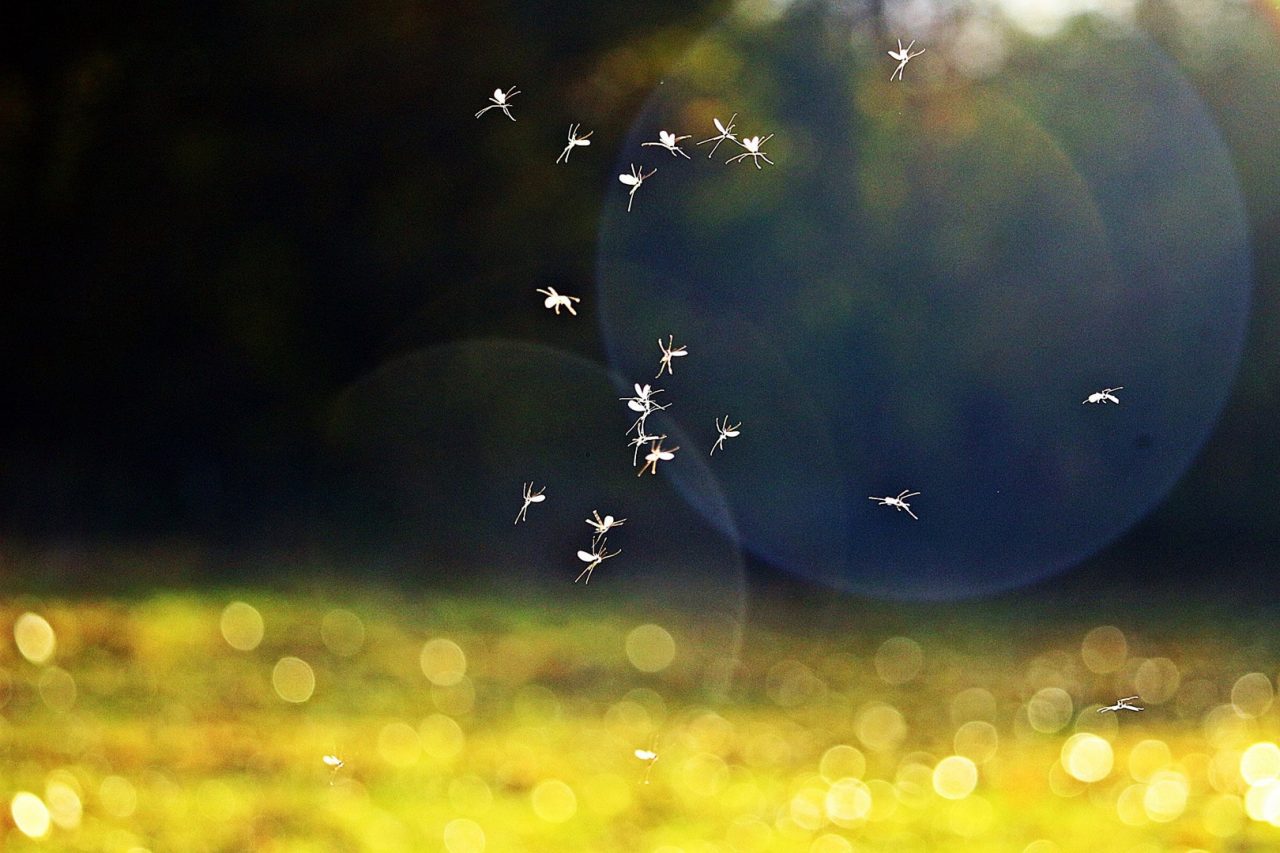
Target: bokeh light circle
(921, 293)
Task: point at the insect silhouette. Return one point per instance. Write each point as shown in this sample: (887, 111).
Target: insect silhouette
(530, 497)
(657, 454)
(725, 431)
(634, 180)
(669, 141)
(594, 558)
(669, 352)
(725, 133)
(903, 57)
(501, 101)
(1104, 396)
(899, 503)
(752, 144)
(1121, 705)
(574, 141)
(557, 301)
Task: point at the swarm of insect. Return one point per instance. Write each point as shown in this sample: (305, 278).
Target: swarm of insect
(634, 180)
(501, 101)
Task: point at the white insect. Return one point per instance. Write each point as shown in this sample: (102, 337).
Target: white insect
(669, 352)
(602, 525)
(634, 180)
(669, 141)
(530, 497)
(903, 57)
(501, 101)
(725, 133)
(1104, 396)
(650, 756)
(725, 431)
(335, 763)
(900, 502)
(657, 454)
(643, 403)
(558, 301)
(594, 558)
(752, 144)
(640, 440)
(574, 140)
(1121, 705)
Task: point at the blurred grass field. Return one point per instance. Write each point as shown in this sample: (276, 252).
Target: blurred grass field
(197, 721)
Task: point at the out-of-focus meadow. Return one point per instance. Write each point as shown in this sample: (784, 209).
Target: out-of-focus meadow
(199, 721)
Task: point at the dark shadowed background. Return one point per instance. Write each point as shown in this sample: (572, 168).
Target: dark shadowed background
(216, 222)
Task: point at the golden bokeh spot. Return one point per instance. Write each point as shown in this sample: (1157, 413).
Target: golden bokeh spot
(955, 777)
(554, 801)
(35, 639)
(1049, 710)
(790, 683)
(607, 795)
(442, 738)
(1166, 796)
(1104, 649)
(703, 775)
(470, 795)
(293, 679)
(1063, 783)
(1146, 757)
(914, 782)
(1224, 771)
(399, 744)
(974, 703)
(242, 626)
(1087, 757)
(1042, 845)
(884, 800)
(1129, 807)
(1260, 763)
(749, 834)
(880, 727)
(456, 699)
(63, 801)
(898, 660)
(57, 689)
(118, 796)
(342, 632)
(842, 761)
(829, 843)
(709, 732)
(1252, 694)
(29, 814)
(1224, 728)
(463, 836)
(848, 802)
(650, 648)
(976, 740)
(1157, 680)
(1223, 815)
(443, 662)
(971, 817)
(808, 808)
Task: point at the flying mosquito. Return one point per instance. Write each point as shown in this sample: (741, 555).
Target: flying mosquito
(725, 431)
(634, 180)
(752, 145)
(655, 455)
(602, 525)
(574, 141)
(899, 503)
(669, 352)
(1121, 705)
(1104, 396)
(725, 133)
(594, 558)
(903, 57)
(557, 300)
(501, 101)
(530, 497)
(669, 141)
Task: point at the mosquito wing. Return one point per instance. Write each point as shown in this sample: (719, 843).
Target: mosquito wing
(586, 558)
(550, 301)
(645, 755)
(629, 180)
(537, 499)
(332, 760)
